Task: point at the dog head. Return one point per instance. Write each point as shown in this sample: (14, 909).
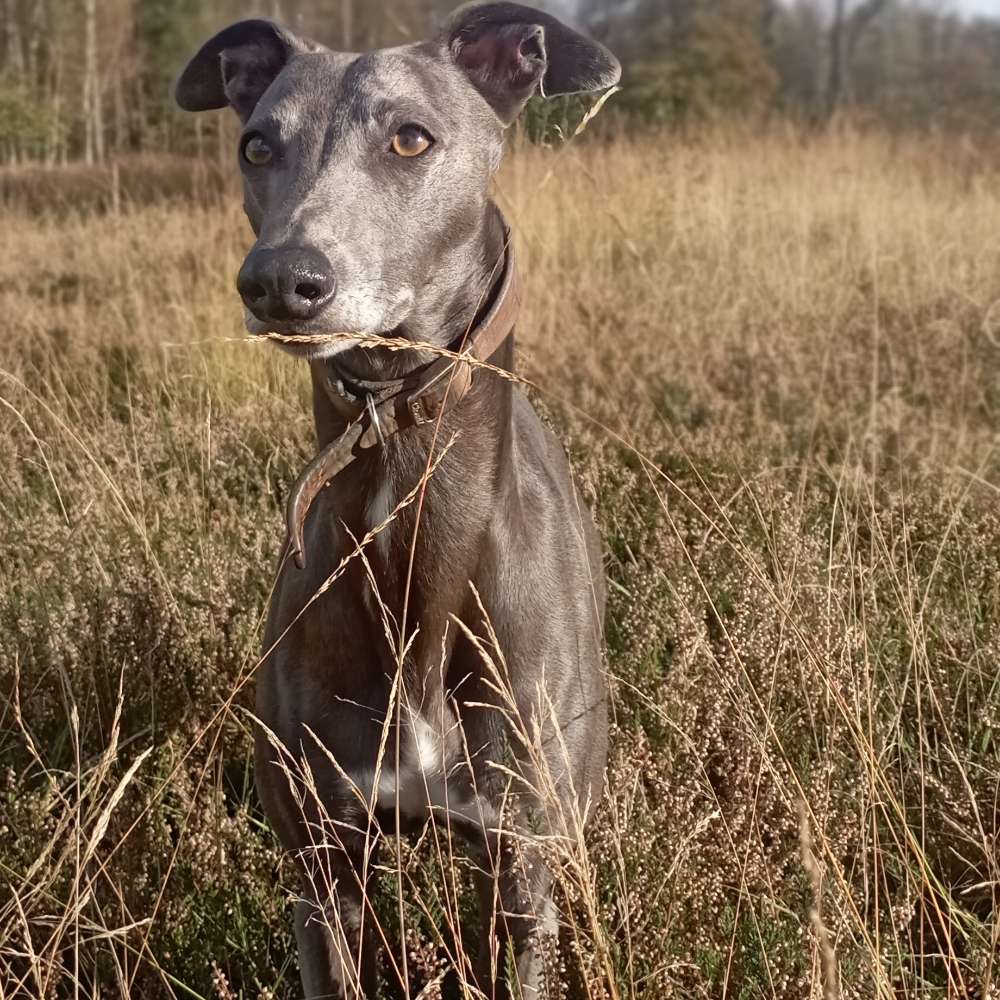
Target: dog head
(366, 176)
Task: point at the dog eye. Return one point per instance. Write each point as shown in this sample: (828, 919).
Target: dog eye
(411, 140)
(257, 152)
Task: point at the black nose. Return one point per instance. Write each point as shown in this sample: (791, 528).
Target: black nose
(290, 283)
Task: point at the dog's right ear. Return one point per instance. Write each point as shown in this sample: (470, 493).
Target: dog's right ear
(236, 66)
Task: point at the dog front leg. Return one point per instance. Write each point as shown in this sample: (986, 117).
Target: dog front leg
(337, 955)
(520, 925)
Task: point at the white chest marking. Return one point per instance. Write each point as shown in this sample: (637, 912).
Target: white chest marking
(423, 786)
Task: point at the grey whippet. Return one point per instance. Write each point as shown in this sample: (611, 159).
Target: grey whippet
(366, 181)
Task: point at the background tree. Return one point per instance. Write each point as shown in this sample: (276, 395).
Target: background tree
(91, 79)
(846, 31)
(690, 59)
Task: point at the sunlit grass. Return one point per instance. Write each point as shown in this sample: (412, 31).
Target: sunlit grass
(773, 361)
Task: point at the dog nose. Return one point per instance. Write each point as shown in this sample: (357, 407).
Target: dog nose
(290, 283)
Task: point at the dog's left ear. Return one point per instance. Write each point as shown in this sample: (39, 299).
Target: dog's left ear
(508, 51)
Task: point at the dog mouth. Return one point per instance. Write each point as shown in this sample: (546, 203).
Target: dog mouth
(317, 337)
(300, 339)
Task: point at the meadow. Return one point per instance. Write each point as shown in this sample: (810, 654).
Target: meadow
(774, 362)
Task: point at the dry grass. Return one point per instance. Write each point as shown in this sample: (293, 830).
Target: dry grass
(773, 361)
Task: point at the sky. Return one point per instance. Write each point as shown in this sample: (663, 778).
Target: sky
(966, 7)
(977, 6)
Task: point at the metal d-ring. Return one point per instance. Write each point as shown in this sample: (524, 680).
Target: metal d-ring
(374, 418)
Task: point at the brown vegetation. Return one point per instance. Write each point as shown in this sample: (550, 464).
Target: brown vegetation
(773, 361)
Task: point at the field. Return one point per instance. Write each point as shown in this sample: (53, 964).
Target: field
(773, 360)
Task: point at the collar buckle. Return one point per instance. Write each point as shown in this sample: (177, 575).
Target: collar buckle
(373, 418)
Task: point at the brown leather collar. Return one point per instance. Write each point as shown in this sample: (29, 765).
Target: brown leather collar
(381, 409)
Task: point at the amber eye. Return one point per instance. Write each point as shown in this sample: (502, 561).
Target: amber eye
(257, 152)
(411, 140)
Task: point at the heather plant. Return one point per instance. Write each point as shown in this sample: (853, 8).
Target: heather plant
(772, 362)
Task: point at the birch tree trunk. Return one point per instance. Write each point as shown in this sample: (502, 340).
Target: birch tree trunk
(835, 86)
(91, 95)
(14, 56)
(347, 24)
